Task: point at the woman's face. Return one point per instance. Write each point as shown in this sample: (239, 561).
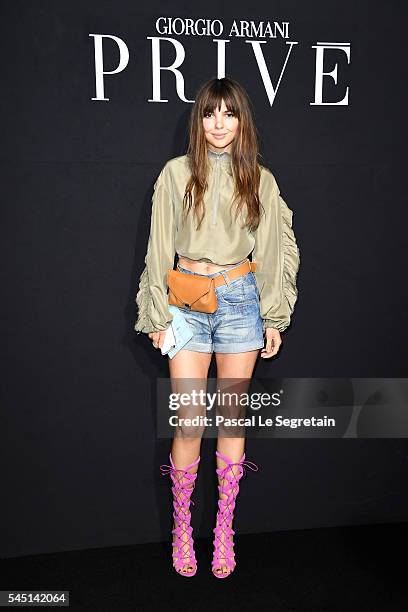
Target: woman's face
(220, 128)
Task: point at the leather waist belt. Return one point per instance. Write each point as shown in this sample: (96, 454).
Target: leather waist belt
(232, 274)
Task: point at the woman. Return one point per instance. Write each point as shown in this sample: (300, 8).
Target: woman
(214, 207)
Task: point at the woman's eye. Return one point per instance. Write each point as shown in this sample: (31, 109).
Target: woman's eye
(208, 114)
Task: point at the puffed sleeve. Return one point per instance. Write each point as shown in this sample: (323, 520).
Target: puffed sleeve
(151, 299)
(277, 256)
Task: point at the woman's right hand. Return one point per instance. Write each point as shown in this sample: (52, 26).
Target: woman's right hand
(157, 338)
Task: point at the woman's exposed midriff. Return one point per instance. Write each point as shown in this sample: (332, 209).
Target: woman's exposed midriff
(202, 266)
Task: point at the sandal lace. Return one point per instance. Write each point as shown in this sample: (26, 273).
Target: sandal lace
(223, 546)
(183, 486)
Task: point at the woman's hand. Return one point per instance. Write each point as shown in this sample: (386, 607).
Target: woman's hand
(273, 342)
(157, 338)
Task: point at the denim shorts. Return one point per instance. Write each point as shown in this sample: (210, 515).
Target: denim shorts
(236, 326)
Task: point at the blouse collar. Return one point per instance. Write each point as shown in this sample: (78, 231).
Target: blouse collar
(224, 158)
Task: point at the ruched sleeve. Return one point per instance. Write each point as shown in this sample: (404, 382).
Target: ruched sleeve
(278, 258)
(151, 299)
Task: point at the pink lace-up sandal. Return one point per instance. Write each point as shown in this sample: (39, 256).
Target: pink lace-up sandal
(224, 555)
(183, 544)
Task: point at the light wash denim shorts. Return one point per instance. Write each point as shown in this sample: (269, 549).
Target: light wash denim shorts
(236, 326)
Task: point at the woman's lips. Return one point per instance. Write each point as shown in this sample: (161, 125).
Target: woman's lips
(219, 135)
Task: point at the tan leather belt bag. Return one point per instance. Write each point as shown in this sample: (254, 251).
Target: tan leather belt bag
(196, 292)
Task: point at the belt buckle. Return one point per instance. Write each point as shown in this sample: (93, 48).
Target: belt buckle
(225, 276)
(227, 279)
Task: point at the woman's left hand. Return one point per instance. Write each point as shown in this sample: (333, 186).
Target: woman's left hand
(273, 342)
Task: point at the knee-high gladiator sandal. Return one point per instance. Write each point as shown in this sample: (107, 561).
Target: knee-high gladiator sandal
(183, 545)
(224, 555)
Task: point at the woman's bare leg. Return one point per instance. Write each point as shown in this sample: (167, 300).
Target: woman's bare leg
(229, 366)
(186, 444)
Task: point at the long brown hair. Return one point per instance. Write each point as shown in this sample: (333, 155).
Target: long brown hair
(244, 151)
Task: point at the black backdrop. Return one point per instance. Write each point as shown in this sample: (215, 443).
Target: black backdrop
(80, 453)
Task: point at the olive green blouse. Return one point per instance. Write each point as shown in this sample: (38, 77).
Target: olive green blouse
(220, 240)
